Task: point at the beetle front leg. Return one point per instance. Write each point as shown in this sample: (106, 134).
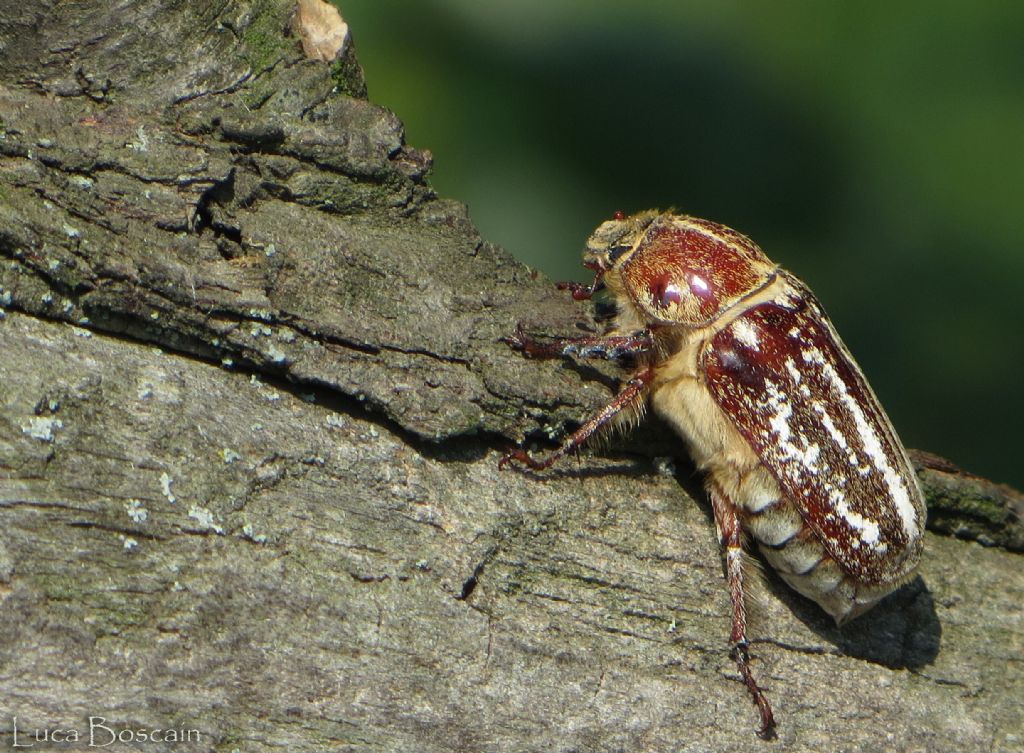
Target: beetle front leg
(730, 539)
(628, 396)
(611, 348)
(581, 292)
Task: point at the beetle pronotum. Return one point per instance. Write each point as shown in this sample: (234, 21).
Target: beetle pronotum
(738, 356)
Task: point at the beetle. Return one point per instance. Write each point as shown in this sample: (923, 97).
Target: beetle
(740, 359)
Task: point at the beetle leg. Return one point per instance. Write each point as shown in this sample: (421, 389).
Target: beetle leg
(611, 348)
(581, 292)
(627, 397)
(730, 539)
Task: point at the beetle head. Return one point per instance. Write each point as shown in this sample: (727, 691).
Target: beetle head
(676, 269)
(615, 239)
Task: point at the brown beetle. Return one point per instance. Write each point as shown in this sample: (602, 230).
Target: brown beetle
(738, 356)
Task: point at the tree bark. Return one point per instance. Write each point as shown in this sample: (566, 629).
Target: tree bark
(252, 397)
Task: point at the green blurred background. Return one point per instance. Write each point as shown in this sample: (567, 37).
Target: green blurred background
(874, 149)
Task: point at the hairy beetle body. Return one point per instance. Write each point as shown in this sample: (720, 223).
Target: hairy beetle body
(738, 356)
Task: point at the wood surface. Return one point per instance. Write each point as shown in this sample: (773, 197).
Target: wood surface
(252, 398)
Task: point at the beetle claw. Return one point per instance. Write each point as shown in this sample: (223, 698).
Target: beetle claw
(521, 342)
(519, 455)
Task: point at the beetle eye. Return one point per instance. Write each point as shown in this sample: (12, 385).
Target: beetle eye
(616, 251)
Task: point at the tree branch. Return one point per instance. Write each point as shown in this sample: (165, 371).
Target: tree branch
(284, 524)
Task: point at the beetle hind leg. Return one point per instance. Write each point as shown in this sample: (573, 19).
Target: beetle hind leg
(731, 541)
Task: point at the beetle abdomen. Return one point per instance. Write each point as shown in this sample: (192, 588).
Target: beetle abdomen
(791, 547)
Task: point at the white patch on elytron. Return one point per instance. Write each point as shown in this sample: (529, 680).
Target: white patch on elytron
(869, 531)
(813, 355)
(794, 372)
(872, 446)
(832, 429)
(781, 410)
(746, 333)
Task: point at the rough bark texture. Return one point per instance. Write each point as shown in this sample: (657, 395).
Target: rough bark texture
(251, 402)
